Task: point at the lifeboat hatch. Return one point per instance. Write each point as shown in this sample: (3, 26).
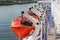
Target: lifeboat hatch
(26, 23)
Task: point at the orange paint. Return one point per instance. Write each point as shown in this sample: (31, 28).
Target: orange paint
(19, 29)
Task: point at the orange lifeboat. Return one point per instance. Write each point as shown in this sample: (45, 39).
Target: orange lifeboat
(21, 27)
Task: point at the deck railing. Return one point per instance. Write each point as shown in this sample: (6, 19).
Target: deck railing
(57, 29)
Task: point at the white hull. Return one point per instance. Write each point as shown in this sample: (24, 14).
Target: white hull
(56, 14)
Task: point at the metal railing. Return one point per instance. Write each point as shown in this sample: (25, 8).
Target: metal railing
(54, 32)
(57, 29)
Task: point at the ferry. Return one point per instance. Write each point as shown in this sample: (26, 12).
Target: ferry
(35, 24)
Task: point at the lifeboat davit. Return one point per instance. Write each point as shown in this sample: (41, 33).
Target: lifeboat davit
(22, 29)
